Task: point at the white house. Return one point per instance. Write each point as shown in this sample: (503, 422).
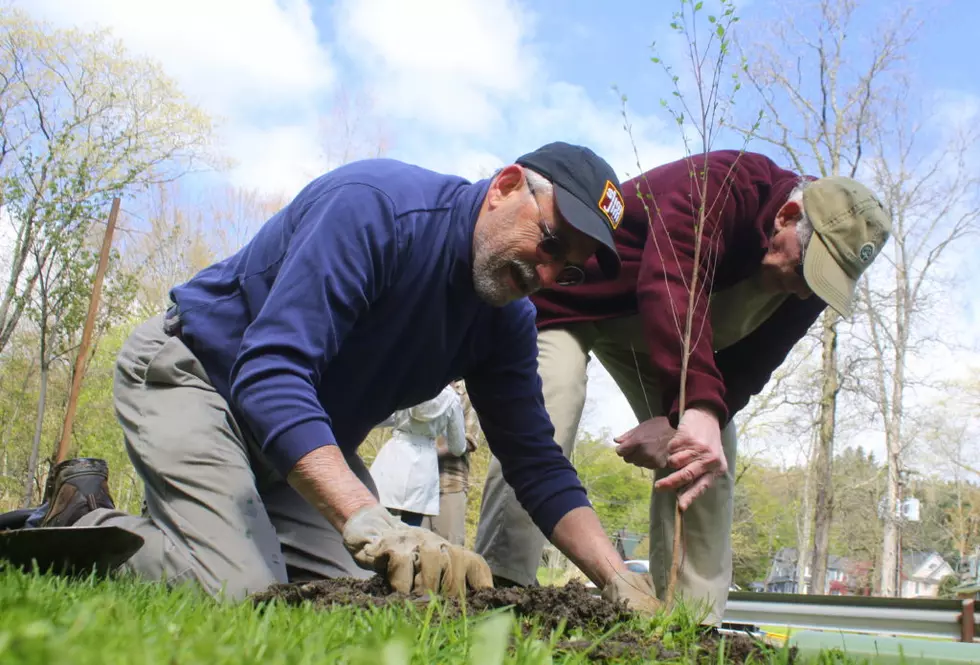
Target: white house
(921, 574)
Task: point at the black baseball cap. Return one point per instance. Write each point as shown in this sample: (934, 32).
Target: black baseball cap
(587, 192)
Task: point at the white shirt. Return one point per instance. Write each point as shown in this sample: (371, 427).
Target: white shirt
(406, 470)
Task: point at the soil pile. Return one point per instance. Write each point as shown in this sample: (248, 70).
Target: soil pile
(548, 606)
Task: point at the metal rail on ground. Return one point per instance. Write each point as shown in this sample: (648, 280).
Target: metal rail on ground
(937, 619)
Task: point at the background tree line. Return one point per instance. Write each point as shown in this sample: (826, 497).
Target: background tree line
(83, 121)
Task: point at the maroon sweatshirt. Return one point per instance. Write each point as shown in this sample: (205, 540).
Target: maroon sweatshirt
(744, 193)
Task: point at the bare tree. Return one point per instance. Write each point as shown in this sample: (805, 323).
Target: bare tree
(350, 131)
(951, 439)
(933, 196)
(782, 410)
(823, 92)
(234, 216)
(169, 246)
(171, 237)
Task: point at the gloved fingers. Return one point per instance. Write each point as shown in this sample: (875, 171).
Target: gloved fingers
(401, 570)
(478, 575)
(433, 563)
(454, 578)
(370, 553)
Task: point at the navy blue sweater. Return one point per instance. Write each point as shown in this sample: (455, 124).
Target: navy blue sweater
(357, 299)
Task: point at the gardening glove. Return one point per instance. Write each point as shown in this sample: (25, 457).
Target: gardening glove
(636, 589)
(412, 559)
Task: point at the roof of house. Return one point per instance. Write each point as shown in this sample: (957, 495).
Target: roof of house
(913, 561)
(788, 555)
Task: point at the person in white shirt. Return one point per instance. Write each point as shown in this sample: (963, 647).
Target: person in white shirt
(406, 470)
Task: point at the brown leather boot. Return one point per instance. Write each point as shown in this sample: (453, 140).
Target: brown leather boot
(79, 487)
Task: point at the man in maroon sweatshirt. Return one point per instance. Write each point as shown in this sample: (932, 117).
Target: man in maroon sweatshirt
(776, 249)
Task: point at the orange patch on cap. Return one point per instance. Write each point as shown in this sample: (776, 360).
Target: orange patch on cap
(611, 204)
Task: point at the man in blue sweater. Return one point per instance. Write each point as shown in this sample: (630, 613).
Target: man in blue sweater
(244, 406)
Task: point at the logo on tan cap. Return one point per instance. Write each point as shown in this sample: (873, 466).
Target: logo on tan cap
(850, 227)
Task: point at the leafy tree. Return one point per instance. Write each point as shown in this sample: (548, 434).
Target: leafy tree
(619, 492)
(767, 502)
(81, 122)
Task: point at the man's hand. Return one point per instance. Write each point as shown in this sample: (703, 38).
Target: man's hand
(646, 444)
(412, 559)
(696, 454)
(634, 588)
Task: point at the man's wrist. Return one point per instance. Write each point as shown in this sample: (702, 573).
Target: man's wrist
(324, 479)
(708, 409)
(580, 537)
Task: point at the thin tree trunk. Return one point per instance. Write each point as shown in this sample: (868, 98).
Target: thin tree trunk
(26, 239)
(960, 535)
(3, 474)
(803, 528)
(891, 541)
(824, 458)
(38, 427)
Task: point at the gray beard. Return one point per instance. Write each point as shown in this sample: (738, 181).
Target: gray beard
(488, 286)
(489, 282)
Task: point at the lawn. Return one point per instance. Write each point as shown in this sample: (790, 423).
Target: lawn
(52, 620)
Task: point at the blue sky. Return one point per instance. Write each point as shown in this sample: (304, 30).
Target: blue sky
(456, 85)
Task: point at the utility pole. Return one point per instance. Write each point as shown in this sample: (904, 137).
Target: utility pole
(899, 520)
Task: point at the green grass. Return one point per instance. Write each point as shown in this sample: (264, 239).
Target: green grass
(52, 620)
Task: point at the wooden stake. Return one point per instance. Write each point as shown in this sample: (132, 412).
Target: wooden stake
(93, 308)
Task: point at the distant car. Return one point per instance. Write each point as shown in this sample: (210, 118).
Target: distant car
(634, 565)
(638, 565)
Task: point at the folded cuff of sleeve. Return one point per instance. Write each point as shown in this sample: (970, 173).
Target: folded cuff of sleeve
(557, 506)
(296, 442)
(702, 389)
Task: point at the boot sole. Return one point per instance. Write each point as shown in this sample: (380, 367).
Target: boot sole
(69, 551)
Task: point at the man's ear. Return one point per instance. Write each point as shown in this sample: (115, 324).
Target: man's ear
(507, 181)
(788, 215)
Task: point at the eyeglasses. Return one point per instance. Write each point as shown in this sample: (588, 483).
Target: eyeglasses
(556, 249)
(799, 266)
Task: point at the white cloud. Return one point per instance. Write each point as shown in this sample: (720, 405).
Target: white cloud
(559, 111)
(229, 54)
(446, 63)
(257, 65)
(280, 159)
(956, 110)
(475, 165)
(567, 112)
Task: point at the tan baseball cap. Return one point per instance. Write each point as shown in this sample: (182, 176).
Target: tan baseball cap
(850, 226)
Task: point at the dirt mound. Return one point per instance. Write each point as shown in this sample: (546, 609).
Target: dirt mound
(579, 608)
(547, 605)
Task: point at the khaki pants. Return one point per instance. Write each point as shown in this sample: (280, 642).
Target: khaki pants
(512, 544)
(450, 523)
(216, 514)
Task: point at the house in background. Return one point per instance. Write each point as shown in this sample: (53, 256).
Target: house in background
(921, 574)
(782, 576)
